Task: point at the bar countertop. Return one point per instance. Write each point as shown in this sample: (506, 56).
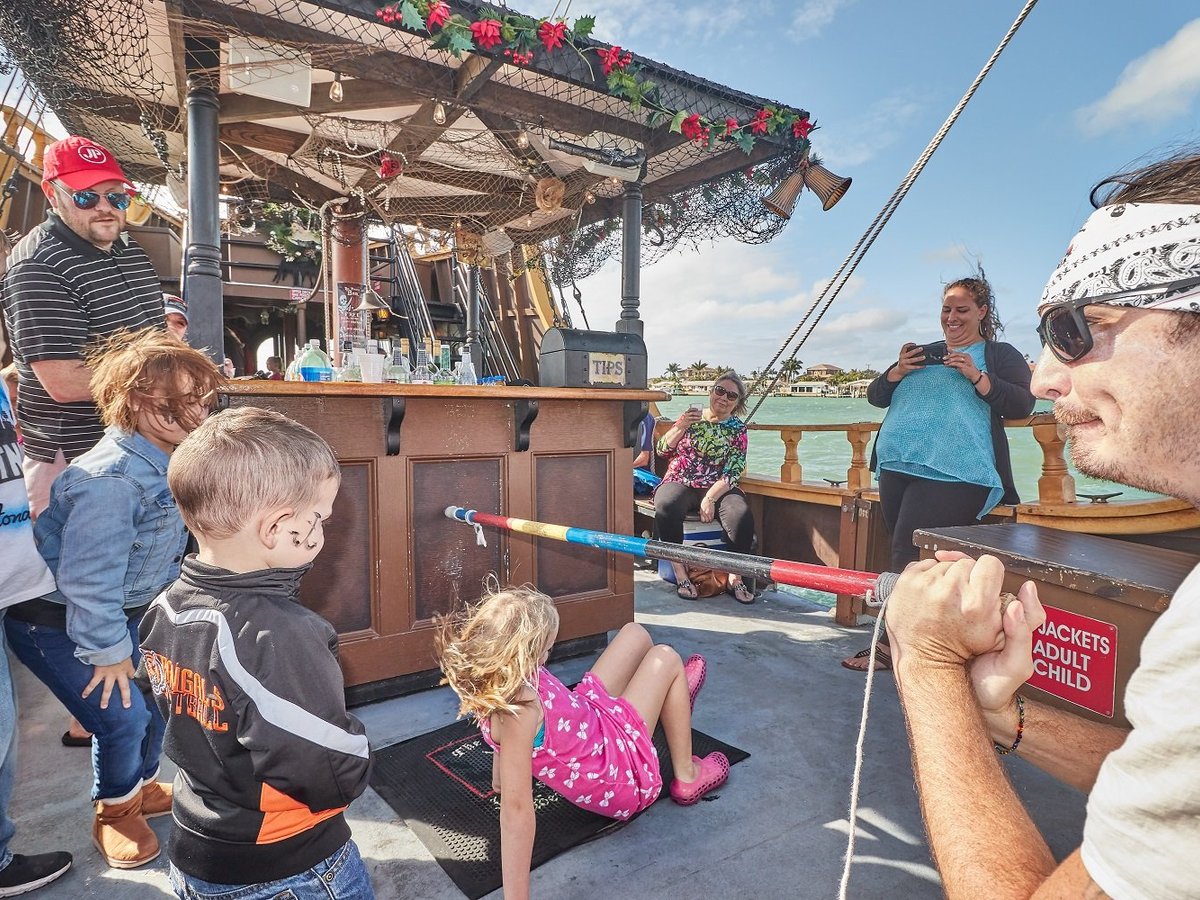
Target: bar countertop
(262, 388)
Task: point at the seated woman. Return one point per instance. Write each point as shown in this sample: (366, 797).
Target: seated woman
(942, 454)
(707, 453)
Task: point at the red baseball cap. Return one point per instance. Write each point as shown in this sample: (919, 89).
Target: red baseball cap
(80, 163)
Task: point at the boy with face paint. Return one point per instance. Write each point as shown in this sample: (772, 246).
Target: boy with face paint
(247, 678)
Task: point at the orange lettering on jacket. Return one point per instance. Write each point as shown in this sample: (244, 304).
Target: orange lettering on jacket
(188, 691)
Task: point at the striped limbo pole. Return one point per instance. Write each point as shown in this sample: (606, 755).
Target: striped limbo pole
(781, 571)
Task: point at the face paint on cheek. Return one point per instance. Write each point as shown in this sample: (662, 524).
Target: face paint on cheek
(308, 541)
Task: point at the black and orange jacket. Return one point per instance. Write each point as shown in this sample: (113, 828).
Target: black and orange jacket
(249, 684)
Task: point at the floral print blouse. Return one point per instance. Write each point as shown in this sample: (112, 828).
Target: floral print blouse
(707, 452)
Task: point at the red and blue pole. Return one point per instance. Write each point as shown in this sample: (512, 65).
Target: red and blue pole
(781, 571)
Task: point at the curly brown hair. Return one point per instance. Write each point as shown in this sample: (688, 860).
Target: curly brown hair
(132, 369)
(981, 292)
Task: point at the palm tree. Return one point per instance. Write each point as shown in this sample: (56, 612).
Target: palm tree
(674, 370)
(790, 369)
(698, 369)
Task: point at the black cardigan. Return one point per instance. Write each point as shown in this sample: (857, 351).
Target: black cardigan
(1009, 398)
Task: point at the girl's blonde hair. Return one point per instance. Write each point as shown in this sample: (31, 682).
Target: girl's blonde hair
(491, 651)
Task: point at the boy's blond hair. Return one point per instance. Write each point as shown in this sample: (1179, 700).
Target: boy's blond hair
(243, 461)
(491, 651)
(129, 366)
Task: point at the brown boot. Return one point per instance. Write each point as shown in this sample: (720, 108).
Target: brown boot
(121, 834)
(156, 799)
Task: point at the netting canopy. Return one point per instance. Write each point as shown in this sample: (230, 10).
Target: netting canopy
(456, 117)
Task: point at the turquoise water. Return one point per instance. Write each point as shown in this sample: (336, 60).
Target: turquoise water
(827, 455)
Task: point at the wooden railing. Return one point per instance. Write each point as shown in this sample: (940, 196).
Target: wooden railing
(1056, 485)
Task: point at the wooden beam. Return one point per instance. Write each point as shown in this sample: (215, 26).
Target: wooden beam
(358, 94)
(300, 184)
(178, 58)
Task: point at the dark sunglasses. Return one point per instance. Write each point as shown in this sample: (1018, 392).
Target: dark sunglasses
(1064, 327)
(721, 392)
(90, 199)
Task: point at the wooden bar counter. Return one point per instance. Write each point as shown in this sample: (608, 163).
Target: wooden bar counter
(392, 560)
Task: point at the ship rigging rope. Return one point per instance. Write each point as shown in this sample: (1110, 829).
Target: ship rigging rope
(851, 261)
(834, 286)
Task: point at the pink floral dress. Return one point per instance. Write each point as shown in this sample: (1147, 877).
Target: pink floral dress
(596, 750)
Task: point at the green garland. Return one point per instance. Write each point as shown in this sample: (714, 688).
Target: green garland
(516, 37)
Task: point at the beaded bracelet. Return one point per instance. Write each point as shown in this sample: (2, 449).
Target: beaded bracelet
(1004, 751)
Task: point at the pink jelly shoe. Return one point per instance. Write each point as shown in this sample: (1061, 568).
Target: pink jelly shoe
(695, 670)
(713, 772)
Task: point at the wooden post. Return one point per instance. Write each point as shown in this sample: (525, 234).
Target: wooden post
(790, 471)
(858, 476)
(1056, 484)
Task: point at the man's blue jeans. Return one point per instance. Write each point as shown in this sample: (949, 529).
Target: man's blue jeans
(8, 751)
(128, 742)
(340, 877)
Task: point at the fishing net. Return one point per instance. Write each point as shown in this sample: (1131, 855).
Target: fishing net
(459, 143)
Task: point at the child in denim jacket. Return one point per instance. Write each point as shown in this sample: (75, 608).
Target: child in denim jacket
(114, 540)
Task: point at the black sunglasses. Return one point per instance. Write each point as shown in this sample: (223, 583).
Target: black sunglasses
(722, 392)
(90, 199)
(1064, 327)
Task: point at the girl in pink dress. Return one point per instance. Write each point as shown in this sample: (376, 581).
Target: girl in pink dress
(592, 744)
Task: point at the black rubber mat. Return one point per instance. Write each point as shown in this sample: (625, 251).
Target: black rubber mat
(440, 783)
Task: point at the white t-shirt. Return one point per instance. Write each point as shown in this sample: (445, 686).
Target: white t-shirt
(1142, 835)
(23, 574)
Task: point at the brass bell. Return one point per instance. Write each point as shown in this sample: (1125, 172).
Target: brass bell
(782, 200)
(829, 187)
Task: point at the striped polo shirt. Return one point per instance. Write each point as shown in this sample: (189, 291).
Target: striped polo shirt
(60, 295)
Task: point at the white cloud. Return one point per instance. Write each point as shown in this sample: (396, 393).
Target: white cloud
(856, 140)
(951, 253)
(734, 304)
(1153, 89)
(813, 15)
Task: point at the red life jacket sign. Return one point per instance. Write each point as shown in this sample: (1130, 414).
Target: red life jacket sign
(1075, 659)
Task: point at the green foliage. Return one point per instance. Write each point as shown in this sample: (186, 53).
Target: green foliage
(583, 26)
(410, 17)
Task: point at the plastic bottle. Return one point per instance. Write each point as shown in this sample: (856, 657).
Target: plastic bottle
(466, 371)
(352, 370)
(313, 365)
(400, 369)
(292, 373)
(422, 373)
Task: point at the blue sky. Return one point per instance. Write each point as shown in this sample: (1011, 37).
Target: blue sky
(1086, 88)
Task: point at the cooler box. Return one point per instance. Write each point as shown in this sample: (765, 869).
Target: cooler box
(697, 534)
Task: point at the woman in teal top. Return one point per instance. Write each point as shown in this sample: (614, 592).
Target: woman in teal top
(942, 454)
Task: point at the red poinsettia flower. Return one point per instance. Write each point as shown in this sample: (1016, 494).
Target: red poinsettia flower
(486, 33)
(439, 12)
(612, 58)
(731, 125)
(389, 166)
(801, 127)
(691, 127)
(552, 34)
(758, 125)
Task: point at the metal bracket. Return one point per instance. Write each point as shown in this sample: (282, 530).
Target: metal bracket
(635, 410)
(393, 408)
(524, 412)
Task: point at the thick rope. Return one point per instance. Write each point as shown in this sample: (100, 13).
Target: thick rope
(834, 286)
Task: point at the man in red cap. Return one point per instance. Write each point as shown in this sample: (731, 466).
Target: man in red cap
(71, 281)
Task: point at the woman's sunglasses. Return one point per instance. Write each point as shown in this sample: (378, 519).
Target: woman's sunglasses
(722, 392)
(90, 199)
(1064, 327)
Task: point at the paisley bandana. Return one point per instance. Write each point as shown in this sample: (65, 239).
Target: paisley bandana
(1130, 247)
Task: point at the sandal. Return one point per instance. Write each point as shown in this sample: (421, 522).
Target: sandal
(687, 590)
(862, 659)
(741, 593)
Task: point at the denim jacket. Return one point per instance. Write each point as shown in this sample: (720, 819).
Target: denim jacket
(113, 539)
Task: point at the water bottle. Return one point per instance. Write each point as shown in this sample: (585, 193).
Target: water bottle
(466, 371)
(313, 365)
(293, 370)
(352, 370)
(422, 373)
